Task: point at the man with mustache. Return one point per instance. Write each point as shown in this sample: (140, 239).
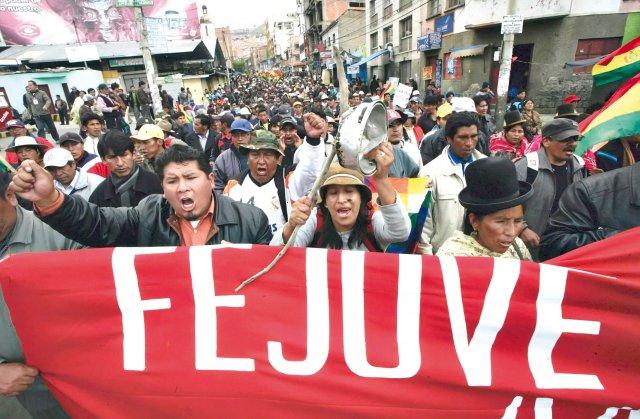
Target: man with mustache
(550, 170)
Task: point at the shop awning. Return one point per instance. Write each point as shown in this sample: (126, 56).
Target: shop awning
(372, 57)
(468, 51)
(583, 63)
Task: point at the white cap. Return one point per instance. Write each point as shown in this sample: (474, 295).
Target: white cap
(57, 157)
(245, 111)
(463, 104)
(25, 140)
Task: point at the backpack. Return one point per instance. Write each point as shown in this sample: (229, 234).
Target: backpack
(369, 242)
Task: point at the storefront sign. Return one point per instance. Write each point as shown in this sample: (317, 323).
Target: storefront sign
(444, 24)
(430, 41)
(126, 62)
(438, 73)
(511, 24)
(353, 69)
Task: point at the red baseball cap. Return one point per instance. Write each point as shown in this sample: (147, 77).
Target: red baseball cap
(572, 98)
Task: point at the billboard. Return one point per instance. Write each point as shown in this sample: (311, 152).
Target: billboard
(48, 22)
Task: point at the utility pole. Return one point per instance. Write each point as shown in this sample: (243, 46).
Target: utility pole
(505, 69)
(149, 64)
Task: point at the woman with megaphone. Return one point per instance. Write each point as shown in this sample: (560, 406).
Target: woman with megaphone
(344, 217)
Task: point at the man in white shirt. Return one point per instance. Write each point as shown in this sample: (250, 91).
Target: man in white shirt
(263, 184)
(93, 126)
(446, 175)
(60, 163)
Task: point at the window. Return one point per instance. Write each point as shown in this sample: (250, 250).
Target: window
(372, 7)
(405, 34)
(405, 4)
(387, 12)
(373, 41)
(356, 4)
(433, 8)
(454, 3)
(405, 71)
(452, 67)
(592, 48)
(387, 35)
(334, 38)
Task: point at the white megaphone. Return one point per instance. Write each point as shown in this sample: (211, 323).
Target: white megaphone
(361, 129)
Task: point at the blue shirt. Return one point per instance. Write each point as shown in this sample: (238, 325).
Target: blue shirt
(458, 161)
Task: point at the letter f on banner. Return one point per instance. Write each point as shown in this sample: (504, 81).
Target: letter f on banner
(131, 304)
(475, 354)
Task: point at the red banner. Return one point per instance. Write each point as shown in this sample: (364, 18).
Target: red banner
(159, 332)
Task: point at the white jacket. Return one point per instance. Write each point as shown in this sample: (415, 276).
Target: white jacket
(82, 185)
(446, 215)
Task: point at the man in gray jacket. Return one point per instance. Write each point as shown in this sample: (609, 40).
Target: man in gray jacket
(21, 231)
(550, 170)
(39, 104)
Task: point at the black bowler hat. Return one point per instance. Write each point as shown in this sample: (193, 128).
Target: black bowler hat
(492, 185)
(512, 118)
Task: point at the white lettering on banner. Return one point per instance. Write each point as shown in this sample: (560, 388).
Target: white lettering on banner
(408, 317)
(206, 323)
(317, 321)
(543, 407)
(475, 354)
(549, 327)
(131, 304)
(612, 412)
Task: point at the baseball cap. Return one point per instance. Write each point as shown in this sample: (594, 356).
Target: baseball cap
(392, 116)
(264, 140)
(14, 123)
(297, 103)
(245, 111)
(444, 110)
(147, 132)
(70, 136)
(57, 157)
(165, 125)
(25, 141)
(241, 125)
(572, 98)
(88, 98)
(560, 129)
(288, 120)
(463, 104)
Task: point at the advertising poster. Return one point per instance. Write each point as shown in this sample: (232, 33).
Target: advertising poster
(50, 22)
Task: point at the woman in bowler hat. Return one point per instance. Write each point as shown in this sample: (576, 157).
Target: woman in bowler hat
(494, 201)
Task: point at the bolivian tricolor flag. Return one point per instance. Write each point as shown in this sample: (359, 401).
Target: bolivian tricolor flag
(621, 64)
(618, 118)
(5, 166)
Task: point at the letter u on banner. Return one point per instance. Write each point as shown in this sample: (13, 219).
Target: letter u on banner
(408, 317)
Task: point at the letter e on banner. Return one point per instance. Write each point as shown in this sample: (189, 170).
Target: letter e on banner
(131, 304)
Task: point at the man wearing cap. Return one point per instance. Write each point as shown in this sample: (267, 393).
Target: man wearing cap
(550, 170)
(263, 184)
(230, 164)
(109, 108)
(16, 128)
(39, 103)
(128, 184)
(20, 232)
(446, 174)
(88, 106)
(68, 180)
(289, 141)
(148, 144)
(85, 161)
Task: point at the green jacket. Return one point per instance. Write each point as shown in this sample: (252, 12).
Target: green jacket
(29, 235)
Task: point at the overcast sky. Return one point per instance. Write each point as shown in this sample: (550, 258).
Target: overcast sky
(238, 14)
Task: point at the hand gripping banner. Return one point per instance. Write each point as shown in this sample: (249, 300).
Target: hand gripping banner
(159, 332)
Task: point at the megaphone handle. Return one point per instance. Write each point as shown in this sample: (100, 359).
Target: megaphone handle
(311, 195)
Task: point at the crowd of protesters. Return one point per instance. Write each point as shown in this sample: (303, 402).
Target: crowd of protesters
(237, 166)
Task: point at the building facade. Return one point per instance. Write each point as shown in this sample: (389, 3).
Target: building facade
(460, 42)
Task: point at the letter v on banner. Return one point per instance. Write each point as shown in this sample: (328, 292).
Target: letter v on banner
(317, 321)
(475, 354)
(408, 317)
(131, 304)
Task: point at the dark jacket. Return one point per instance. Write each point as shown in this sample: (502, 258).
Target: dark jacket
(146, 184)
(593, 209)
(211, 146)
(432, 146)
(154, 223)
